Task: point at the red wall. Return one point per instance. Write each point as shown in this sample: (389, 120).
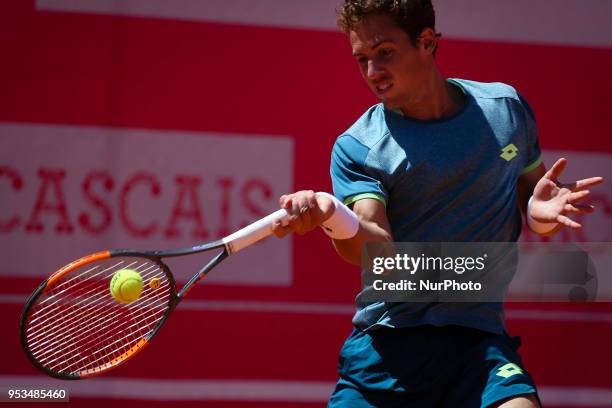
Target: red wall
(162, 74)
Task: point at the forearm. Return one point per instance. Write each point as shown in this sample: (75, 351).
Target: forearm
(542, 229)
(350, 249)
(524, 193)
(525, 187)
(349, 228)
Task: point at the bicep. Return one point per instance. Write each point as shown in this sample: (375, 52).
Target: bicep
(373, 212)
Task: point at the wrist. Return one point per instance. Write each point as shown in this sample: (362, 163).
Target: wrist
(343, 223)
(541, 228)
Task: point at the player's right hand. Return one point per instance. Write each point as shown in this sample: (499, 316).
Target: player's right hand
(306, 211)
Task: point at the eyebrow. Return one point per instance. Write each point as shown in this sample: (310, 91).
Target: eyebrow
(377, 44)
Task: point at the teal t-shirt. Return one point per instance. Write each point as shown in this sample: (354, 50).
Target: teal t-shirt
(451, 180)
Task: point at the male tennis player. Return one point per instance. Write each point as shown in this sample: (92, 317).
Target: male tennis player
(439, 160)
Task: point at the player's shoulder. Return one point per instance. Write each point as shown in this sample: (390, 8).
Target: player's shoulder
(487, 90)
(495, 91)
(368, 130)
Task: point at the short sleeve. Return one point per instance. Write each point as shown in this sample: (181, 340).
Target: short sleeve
(534, 154)
(351, 178)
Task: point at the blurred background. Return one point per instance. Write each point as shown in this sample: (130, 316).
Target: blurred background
(154, 124)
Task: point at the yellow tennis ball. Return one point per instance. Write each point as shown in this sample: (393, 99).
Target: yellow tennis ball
(126, 285)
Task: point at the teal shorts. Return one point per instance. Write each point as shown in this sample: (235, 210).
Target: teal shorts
(429, 366)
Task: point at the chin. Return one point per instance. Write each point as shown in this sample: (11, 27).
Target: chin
(394, 101)
(390, 104)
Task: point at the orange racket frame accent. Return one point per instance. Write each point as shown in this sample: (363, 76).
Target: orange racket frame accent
(76, 264)
(112, 364)
(55, 279)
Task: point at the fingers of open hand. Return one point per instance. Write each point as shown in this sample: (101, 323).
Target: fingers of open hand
(571, 207)
(583, 184)
(566, 196)
(545, 189)
(556, 170)
(578, 209)
(577, 196)
(566, 204)
(568, 222)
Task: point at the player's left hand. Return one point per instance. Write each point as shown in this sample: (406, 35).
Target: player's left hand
(554, 202)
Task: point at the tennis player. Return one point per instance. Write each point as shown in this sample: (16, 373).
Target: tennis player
(438, 160)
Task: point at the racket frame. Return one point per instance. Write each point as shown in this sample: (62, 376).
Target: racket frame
(230, 244)
(153, 256)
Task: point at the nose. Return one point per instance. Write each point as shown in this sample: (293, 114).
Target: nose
(374, 70)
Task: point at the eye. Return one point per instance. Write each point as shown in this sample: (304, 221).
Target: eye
(362, 60)
(385, 52)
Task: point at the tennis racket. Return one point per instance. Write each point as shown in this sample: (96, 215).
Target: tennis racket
(73, 328)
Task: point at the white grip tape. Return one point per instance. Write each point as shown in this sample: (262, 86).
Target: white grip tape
(537, 226)
(343, 224)
(254, 232)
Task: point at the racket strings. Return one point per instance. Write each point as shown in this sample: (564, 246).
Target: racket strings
(74, 334)
(79, 338)
(93, 326)
(92, 297)
(77, 325)
(100, 325)
(88, 299)
(134, 332)
(67, 283)
(93, 284)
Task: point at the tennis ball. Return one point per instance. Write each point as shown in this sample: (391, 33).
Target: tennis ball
(126, 285)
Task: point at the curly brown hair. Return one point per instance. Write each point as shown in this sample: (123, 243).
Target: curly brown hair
(412, 16)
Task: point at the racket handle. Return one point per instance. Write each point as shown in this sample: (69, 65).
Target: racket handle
(254, 232)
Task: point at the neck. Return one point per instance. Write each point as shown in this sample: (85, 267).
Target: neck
(436, 99)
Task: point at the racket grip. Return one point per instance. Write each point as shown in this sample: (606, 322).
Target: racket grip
(254, 232)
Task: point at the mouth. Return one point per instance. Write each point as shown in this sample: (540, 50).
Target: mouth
(382, 88)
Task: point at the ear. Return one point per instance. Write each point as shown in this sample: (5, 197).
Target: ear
(428, 41)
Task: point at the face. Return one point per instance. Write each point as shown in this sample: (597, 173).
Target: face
(391, 65)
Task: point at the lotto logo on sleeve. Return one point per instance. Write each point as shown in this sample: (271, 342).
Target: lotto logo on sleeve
(509, 152)
(509, 370)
